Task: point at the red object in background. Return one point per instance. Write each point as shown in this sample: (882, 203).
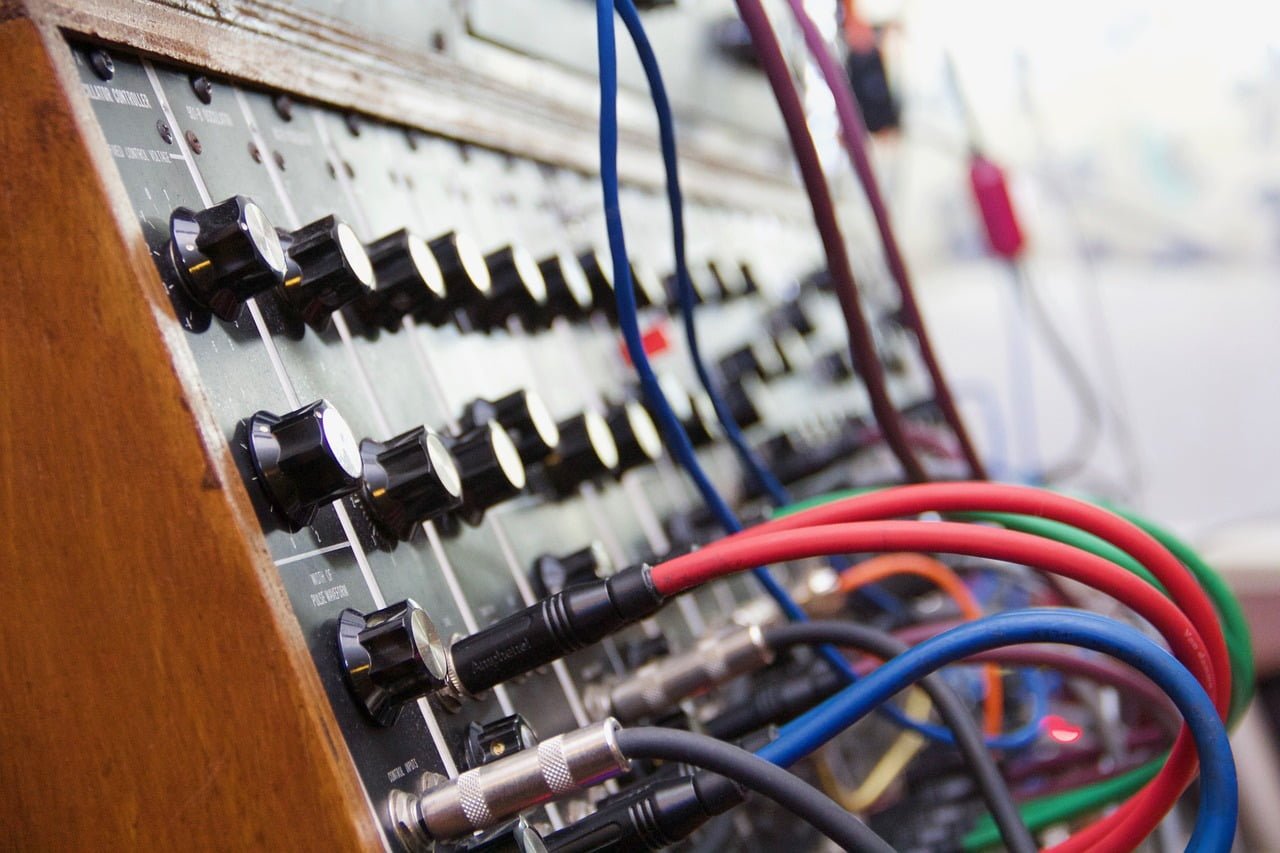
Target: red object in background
(991, 192)
(1061, 730)
(654, 338)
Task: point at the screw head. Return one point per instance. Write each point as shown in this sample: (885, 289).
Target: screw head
(203, 88)
(193, 142)
(102, 64)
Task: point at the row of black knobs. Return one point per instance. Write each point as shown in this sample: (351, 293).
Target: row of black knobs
(309, 457)
(229, 253)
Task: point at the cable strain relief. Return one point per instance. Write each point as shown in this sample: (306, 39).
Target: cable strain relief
(716, 793)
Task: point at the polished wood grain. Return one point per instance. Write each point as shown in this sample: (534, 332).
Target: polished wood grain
(155, 693)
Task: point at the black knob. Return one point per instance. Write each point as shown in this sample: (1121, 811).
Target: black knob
(638, 652)
(587, 452)
(728, 277)
(739, 398)
(599, 272)
(635, 434)
(705, 283)
(551, 573)
(702, 425)
(409, 479)
(329, 268)
(409, 282)
(490, 468)
(793, 351)
(525, 418)
(648, 285)
(518, 289)
(304, 459)
(466, 277)
(791, 316)
(835, 366)
(390, 657)
(758, 359)
(487, 742)
(568, 291)
(226, 254)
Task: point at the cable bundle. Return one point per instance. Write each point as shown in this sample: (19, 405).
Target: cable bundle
(1144, 569)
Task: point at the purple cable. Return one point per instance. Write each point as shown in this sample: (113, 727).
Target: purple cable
(865, 359)
(854, 134)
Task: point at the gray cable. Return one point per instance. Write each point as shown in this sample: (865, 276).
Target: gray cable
(752, 772)
(951, 708)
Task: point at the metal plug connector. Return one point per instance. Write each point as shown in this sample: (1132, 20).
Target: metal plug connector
(657, 687)
(489, 794)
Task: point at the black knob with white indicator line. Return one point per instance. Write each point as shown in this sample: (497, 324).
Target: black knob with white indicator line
(518, 288)
(835, 366)
(466, 276)
(410, 283)
(408, 480)
(226, 254)
(552, 573)
(568, 291)
(702, 425)
(390, 657)
(759, 359)
(791, 316)
(490, 468)
(525, 418)
(587, 452)
(328, 268)
(596, 267)
(635, 434)
(304, 459)
(487, 742)
(648, 285)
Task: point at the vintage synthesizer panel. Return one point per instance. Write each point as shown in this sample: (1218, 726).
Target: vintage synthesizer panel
(433, 282)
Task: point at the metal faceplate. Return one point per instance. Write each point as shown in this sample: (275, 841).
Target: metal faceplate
(303, 162)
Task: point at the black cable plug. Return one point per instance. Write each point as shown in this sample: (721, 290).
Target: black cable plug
(775, 701)
(559, 624)
(651, 817)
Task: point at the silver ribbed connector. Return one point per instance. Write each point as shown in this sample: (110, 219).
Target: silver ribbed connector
(494, 792)
(657, 687)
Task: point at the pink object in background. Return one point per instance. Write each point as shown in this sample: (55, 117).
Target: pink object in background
(990, 191)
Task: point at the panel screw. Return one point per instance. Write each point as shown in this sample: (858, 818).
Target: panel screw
(166, 132)
(203, 87)
(279, 158)
(102, 64)
(353, 123)
(284, 106)
(193, 142)
(255, 153)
